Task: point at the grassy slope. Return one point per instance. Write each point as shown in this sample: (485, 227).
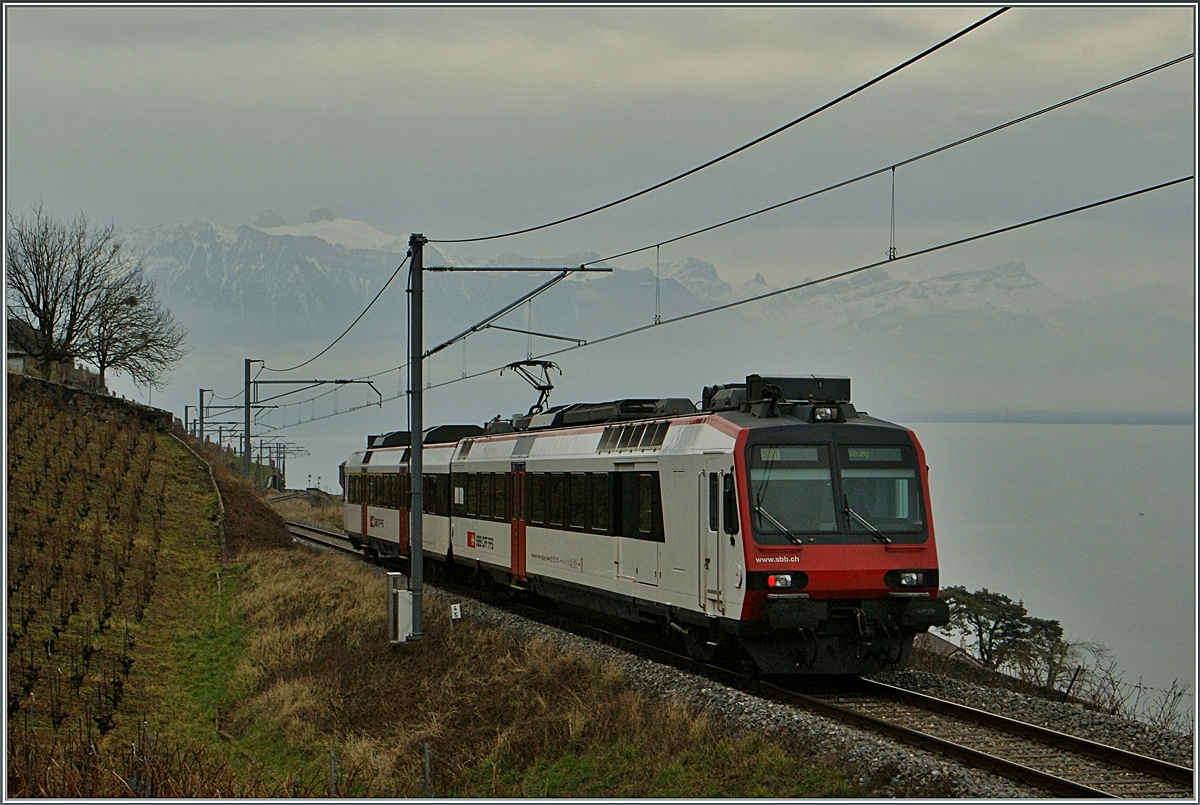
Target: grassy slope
(155, 525)
(502, 716)
(287, 649)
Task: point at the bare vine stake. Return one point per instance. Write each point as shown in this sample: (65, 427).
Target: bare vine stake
(332, 774)
(428, 784)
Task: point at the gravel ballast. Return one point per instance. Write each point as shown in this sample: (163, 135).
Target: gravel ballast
(1071, 719)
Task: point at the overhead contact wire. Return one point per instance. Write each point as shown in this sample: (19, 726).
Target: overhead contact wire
(780, 291)
(839, 275)
(899, 164)
(740, 148)
(351, 327)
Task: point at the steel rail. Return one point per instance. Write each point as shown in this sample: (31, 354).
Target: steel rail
(1133, 761)
(970, 757)
(323, 537)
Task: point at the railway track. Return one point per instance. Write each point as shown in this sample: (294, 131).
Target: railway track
(321, 536)
(1060, 764)
(1052, 761)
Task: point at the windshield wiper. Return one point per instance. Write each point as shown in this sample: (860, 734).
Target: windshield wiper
(778, 525)
(875, 532)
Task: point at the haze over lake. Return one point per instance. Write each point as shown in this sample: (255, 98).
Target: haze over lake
(1090, 525)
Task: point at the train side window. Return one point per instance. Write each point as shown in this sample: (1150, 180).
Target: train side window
(443, 498)
(429, 494)
(731, 507)
(645, 505)
(485, 495)
(657, 532)
(714, 501)
(500, 493)
(626, 508)
(601, 501)
(459, 503)
(578, 501)
(537, 498)
(441, 489)
(405, 492)
(472, 494)
(352, 489)
(557, 498)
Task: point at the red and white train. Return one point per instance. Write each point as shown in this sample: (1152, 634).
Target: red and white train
(776, 522)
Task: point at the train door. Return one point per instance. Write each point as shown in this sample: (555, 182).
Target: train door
(637, 547)
(711, 482)
(517, 505)
(364, 495)
(403, 503)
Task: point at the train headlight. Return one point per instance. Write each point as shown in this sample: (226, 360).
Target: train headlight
(908, 579)
(824, 414)
(779, 581)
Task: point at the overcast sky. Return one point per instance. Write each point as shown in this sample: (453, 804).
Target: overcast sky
(459, 122)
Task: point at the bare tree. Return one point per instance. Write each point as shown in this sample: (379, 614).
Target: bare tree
(56, 276)
(134, 334)
(87, 298)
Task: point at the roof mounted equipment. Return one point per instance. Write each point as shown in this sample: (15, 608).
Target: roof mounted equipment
(801, 389)
(543, 385)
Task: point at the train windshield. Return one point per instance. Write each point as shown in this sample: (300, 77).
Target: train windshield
(823, 493)
(880, 485)
(791, 492)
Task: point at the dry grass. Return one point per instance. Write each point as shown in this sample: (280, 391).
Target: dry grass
(502, 716)
(313, 508)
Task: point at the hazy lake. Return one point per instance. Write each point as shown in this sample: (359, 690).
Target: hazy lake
(1091, 525)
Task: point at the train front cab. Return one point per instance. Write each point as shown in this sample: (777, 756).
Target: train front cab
(840, 557)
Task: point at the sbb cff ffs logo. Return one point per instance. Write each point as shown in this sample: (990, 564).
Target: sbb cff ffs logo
(480, 541)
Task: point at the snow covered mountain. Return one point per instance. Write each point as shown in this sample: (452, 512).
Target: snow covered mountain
(251, 272)
(939, 342)
(321, 270)
(1003, 291)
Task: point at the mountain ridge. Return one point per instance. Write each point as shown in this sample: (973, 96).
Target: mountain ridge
(964, 339)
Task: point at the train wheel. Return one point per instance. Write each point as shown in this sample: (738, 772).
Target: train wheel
(697, 646)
